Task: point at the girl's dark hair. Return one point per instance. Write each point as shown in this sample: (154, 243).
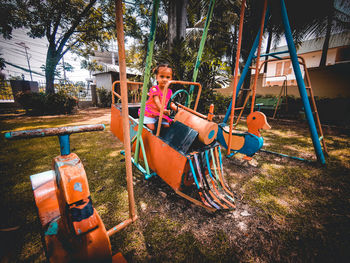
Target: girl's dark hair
(155, 70)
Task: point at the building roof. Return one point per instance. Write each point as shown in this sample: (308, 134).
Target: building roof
(312, 45)
(115, 68)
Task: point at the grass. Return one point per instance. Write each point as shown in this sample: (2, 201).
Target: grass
(299, 211)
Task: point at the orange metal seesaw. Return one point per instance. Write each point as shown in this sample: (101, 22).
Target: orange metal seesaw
(72, 229)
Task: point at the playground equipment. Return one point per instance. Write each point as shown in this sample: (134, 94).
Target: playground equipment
(247, 143)
(73, 230)
(274, 103)
(296, 67)
(182, 155)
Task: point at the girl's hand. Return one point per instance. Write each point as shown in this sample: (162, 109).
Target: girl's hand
(167, 112)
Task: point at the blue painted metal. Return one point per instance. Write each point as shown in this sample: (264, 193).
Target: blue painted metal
(180, 137)
(273, 53)
(285, 155)
(208, 165)
(220, 136)
(211, 134)
(220, 159)
(193, 172)
(64, 144)
(246, 66)
(231, 154)
(276, 57)
(140, 168)
(301, 85)
(52, 229)
(175, 94)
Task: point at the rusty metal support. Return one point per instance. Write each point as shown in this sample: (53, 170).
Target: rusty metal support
(125, 110)
(235, 78)
(258, 57)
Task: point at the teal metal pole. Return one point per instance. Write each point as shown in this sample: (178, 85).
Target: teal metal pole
(147, 75)
(201, 47)
(301, 85)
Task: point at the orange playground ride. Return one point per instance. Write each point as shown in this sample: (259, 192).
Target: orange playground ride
(184, 155)
(72, 230)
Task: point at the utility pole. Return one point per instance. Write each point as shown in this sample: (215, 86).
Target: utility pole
(64, 70)
(112, 49)
(22, 44)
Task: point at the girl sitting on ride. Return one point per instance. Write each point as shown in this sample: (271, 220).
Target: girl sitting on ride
(164, 73)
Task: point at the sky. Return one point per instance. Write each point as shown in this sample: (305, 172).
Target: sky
(15, 54)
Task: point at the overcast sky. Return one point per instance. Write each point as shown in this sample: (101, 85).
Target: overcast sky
(15, 54)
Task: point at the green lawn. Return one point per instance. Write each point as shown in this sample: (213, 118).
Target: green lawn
(297, 211)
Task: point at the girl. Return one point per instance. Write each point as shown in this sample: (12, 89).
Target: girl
(163, 74)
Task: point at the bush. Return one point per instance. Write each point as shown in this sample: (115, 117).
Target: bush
(221, 102)
(104, 97)
(42, 103)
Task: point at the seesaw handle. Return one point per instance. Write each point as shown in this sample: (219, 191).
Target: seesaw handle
(53, 131)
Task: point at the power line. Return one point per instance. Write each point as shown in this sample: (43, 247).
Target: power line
(26, 70)
(22, 44)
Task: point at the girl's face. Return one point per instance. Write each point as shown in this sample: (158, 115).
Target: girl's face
(163, 76)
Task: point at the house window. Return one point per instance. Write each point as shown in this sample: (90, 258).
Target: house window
(287, 68)
(279, 68)
(343, 54)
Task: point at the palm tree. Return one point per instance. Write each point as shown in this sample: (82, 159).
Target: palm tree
(337, 19)
(314, 18)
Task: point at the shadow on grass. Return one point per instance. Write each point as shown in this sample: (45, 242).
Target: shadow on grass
(299, 211)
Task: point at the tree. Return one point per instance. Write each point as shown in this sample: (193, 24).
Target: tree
(177, 16)
(336, 18)
(315, 19)
(75, 25)
(91, 66)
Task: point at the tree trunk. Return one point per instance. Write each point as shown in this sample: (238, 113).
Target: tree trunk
(234, 50)
(177, 14)
(51, 63)
(181, 16)
(268, 47)
(326, 42)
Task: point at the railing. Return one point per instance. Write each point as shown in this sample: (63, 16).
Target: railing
(136, 96)
(82, 93)
(165, 91)
(134, 91)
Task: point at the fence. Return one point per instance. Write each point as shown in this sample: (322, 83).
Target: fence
(82, 91)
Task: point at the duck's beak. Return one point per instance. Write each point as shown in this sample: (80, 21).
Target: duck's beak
(266, 126)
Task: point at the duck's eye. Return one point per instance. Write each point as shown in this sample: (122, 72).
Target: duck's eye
(254, 118)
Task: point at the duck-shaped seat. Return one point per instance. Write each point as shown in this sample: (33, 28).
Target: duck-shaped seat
(247, 143)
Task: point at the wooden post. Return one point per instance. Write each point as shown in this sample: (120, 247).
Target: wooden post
(125, 109)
